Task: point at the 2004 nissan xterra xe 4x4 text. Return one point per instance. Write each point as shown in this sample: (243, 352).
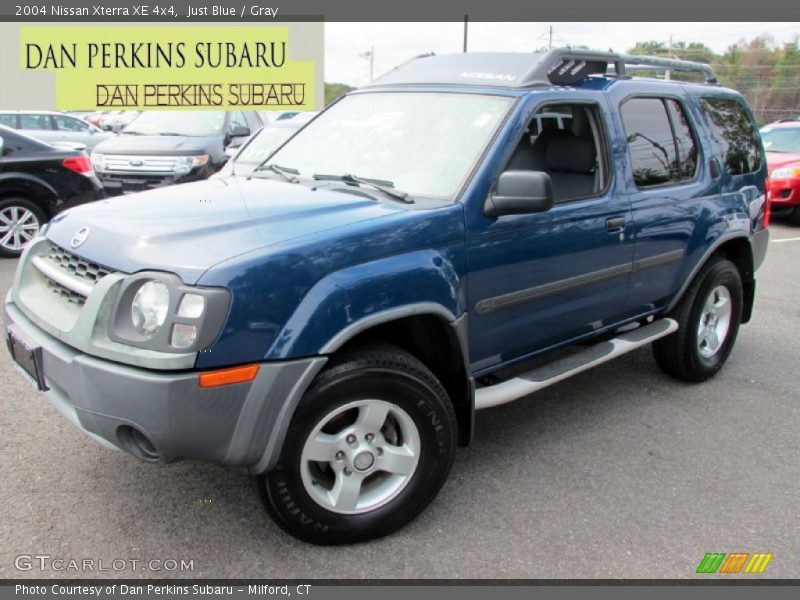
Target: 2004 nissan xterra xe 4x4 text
(333, 320)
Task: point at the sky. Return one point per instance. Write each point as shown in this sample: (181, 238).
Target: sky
(395, 43)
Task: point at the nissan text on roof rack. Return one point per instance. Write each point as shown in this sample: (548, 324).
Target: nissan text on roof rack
(333, 319)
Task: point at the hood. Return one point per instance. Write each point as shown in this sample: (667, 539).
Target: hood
(776, 160)
(188, 228)
(156, 144)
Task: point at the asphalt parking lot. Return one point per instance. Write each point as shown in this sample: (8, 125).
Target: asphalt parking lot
(618, 472)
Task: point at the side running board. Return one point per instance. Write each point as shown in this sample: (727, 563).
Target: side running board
(541, 377)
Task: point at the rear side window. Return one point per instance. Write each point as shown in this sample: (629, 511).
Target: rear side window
(9, 121)
(34, 122)
(661, 144)
(734, 134)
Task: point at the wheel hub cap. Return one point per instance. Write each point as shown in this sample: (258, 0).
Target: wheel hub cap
(363, 461)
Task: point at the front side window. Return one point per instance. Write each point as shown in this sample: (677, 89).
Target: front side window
(70, 124)
(661, 143)
(734, 134)
(237, 120)
(423, 143)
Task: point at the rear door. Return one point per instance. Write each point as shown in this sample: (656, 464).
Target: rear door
(670, 181)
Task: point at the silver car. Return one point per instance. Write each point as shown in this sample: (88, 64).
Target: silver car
(54, 127)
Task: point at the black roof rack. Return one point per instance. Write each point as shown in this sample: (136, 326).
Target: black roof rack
(559, 66)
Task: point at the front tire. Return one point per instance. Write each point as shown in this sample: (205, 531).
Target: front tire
(794, 216)
(20, 221)
(369, 447)
(708, 318)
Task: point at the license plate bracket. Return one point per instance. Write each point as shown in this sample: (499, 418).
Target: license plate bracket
(28, 359)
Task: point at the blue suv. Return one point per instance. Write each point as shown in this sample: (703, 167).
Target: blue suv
(421, 250)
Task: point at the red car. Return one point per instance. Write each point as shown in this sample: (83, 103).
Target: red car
(782, 143)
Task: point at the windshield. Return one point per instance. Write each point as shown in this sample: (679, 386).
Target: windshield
(189, 123)
(423, 143)
(781, 139)
(265, 143)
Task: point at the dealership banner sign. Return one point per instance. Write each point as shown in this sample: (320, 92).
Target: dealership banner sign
(163, 68)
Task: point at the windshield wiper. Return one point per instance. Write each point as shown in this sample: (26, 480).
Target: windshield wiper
(287, 173)
(387, 187)
(126, 132)
(172, 133)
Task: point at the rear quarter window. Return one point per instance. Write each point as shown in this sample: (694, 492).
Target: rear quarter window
(734, 134)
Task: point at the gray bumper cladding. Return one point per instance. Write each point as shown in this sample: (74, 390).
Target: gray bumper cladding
(161, 416)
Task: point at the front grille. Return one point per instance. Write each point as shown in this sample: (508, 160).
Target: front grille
(65, 294)
(76, 268)
(138, 164)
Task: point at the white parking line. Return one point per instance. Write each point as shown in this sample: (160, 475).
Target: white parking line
(792, 239)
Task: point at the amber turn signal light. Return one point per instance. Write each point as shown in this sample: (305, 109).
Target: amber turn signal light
(228, 376)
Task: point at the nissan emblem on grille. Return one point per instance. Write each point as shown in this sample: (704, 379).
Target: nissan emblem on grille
(79, 237)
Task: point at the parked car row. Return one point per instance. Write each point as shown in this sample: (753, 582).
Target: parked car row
(50, 161)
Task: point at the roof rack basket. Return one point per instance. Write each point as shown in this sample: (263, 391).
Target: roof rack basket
(567, 65)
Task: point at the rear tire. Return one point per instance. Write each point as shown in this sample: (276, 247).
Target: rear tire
(708, 318)
(20, 222)
(369, 447)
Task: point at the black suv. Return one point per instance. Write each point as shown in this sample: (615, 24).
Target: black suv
(160, 148)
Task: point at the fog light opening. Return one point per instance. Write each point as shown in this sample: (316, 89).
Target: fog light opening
(135, 442)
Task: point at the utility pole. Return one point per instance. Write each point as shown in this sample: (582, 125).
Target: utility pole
(667, 74)
(370, 54)
(550, 39)
(466, 24)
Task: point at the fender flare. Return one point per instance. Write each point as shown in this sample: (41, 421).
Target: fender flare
(719, 242)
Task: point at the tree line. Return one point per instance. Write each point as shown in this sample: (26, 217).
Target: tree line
(766, 73)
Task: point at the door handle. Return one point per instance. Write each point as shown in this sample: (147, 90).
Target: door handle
(615, 224)
(714, 169)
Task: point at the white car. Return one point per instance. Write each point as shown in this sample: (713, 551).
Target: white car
(54, 127)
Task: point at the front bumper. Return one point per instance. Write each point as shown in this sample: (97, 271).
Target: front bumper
(241, 424)
(116, 183)
(784, 192)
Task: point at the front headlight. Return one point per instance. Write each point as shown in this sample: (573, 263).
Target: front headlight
(184, 164)
(785, 173)
(157, 311)
(149, 308)
(98, 162)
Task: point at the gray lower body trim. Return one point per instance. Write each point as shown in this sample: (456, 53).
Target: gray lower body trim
(490, 305)
(231, 424)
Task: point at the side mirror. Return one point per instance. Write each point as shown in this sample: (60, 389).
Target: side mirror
(230, 151)
(240, 131)
(520, 193)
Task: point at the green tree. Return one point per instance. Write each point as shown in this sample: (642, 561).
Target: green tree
(333, 91)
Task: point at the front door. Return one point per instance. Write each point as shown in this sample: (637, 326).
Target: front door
(540, 279)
